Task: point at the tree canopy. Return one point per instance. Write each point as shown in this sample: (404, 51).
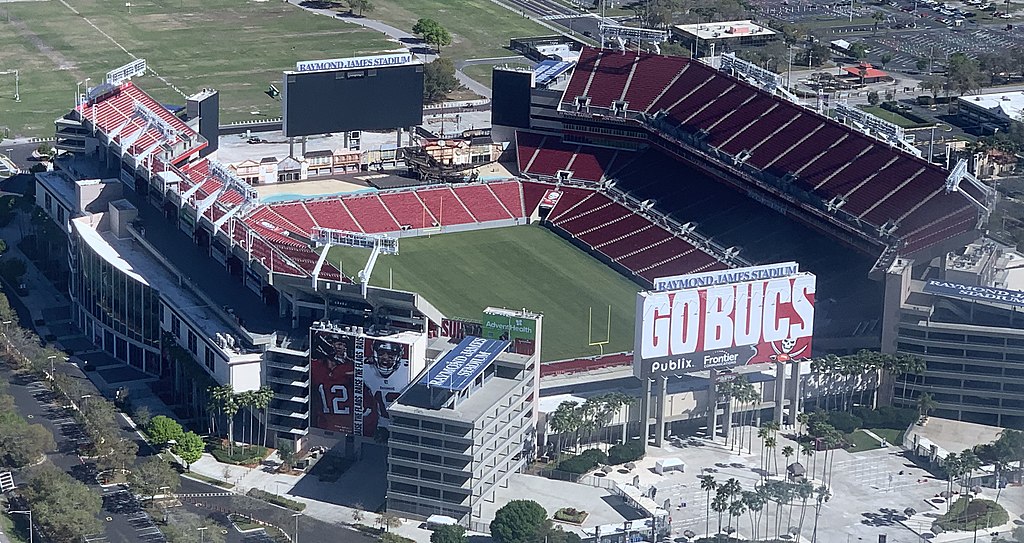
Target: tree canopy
(163, 429)
(64, 508)
(189, 448)
(155, 476)
(518, 521)
(433, 33)
(438, 79)
(448, 534)
(21, 443)
(360, 6)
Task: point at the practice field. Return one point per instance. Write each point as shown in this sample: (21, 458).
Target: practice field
(479, 28)
(515, 267)
(238, 47)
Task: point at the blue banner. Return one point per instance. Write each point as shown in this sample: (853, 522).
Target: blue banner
(458, 367)
(972, 292)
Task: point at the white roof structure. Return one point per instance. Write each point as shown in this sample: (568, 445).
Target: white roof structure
(725, 29)
(1005, 104)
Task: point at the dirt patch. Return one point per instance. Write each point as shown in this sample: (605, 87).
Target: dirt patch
(60, 61)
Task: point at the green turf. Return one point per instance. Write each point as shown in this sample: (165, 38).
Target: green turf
(860, 441)
(515, 267)
(894, 437)
(239, 48)
(892, 117)
(479, 28)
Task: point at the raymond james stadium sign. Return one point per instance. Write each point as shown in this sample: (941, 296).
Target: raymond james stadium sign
(378, 61)
(723, 277)
(974, 292)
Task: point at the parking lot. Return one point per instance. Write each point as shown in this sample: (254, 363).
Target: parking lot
(868, 489)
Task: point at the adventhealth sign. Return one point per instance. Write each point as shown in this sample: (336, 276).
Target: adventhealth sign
(458, 367)
(376, 61)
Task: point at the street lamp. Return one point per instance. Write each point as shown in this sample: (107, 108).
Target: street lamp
(29, 513)
(78, 92)
(51, 358)
(202, 533)
(296, 516)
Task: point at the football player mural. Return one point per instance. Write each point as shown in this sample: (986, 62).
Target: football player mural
(386, 373)
(332, 371)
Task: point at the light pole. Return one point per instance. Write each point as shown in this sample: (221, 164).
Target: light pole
(202, 533)
(296, 516)
(29, 513)
(51, 358)
(78, 92)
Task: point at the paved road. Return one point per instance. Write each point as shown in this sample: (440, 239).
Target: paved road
(310, 529)
(38, 405)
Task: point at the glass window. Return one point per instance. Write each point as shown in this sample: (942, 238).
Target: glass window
(175, 326)
(210, 358)
(193, 343)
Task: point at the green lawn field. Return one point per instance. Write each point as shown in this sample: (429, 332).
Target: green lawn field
(515, 267)
(479, 28)
(237, 47)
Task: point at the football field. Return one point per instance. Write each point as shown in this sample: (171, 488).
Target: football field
(238, 47)
(514, 267)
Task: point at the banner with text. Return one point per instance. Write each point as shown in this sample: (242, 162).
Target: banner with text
(749, 322)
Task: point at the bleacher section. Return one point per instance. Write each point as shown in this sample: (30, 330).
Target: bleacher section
(625, 237)
(396, 210)
(868, 184)
(543, 156)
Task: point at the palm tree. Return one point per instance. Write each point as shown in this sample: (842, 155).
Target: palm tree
(807, 449)
(264, 396)
(770, 444)
(925, 404)
(214, 405)
(787, 452)
(822, 495)
(968, 463)
(245, 402)
(707, 484)
(754, 502)
(804, 490)
(952, 466)
(563, 421)
(720, 505)
(762, 435)
(736, 509)
(229, 407)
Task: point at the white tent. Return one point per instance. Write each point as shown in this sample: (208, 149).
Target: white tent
(669, 464)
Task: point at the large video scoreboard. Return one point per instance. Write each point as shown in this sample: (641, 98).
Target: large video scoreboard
(381, 92)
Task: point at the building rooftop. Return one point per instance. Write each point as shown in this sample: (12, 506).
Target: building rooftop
(725, 30)
(1006, 104)
(135, 260)
(419, 399)
(200, 270)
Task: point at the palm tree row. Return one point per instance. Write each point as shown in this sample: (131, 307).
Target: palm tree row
(840, 370)
(225, 402)
(745, 395)
(581, 420)
(729, 497)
